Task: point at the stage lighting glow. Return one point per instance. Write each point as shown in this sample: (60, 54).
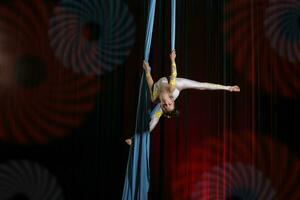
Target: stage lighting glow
(238, 166)
(263, 40)
(40, 100)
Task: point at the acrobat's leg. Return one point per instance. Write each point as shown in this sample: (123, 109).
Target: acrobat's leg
(182, 84)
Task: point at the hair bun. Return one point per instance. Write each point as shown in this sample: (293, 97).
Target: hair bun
(173, 113)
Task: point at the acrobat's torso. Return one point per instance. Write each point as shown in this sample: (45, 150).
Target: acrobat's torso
(163, 84)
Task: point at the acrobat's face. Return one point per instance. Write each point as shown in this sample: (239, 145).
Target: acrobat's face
(167, 103)
(167, 108)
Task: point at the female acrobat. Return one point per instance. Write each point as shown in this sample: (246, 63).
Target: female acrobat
(166, 90)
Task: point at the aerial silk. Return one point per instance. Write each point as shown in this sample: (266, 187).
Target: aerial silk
(173, 24)
(137, 178)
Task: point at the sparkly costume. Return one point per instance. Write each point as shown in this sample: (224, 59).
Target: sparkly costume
(176, 85)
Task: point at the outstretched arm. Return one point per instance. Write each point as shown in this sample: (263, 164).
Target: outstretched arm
(183, 84)
(173, 75)
(154, 121)
(155, 116)
(149, 79)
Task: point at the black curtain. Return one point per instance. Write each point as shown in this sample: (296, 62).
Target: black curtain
(69, 77)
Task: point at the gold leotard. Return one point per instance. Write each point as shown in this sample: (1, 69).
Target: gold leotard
(161, 83)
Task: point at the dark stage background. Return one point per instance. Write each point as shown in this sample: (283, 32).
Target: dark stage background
(69, 75)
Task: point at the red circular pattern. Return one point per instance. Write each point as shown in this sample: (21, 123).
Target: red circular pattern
(40, 100)
(262, 37)
(238, 167)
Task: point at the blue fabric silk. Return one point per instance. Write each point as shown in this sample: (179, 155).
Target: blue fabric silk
(173, 39)
(137, 179)
(149, 31)
(173, 24)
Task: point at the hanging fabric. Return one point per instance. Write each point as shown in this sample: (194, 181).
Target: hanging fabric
(173, 40)
(137, 179)
(173, 24)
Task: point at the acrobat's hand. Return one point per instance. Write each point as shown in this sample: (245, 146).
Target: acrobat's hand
(146, 67)
(234, 88)
(173, 55)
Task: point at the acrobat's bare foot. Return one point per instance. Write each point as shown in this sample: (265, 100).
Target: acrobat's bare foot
(128, 141)
(234, 88)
